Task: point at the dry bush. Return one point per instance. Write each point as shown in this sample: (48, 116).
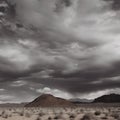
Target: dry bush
(49, 118)
(41, 114)
(97, 113)
(4, 114)
(10, 115)
(38, 118)
(116, 116)
(81, 110)
(28, 115)
(21, 113)
(58, 116)
(10, 109)
(61, 113)
(72, 116)
(88, 117)
(104, 118)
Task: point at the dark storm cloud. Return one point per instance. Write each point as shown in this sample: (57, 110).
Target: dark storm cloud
(74, 51)
(115, 4)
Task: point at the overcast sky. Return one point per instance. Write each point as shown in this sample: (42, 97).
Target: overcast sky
(73, 51)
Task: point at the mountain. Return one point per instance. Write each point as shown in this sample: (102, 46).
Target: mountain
(47, 100)
(13, 104)
(78, 101)
(112, 98)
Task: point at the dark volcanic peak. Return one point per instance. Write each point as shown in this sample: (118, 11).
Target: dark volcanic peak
(112, 98)
(47, 100)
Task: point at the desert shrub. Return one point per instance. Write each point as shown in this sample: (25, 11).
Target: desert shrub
(116, 116)
(41, 114)
(72, 116)
(105, 117)
(97, 113)
(56, 117)
(61, 112)
(89, 117)
(10, 115)
(5, 116)
(27, 115)
(38, 118)
(49, 118)
(10, 109)
(14, 110)
(21, 113)
(109, 110)
(3, 112)
(81, 110)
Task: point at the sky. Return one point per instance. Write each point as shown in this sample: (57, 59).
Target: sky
(67, 48)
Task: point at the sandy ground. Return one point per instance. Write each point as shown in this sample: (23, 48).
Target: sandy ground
(77, 113)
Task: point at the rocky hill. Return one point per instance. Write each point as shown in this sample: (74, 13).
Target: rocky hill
(112, 98)
(47, 100)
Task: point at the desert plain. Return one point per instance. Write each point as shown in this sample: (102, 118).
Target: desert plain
(80, 112)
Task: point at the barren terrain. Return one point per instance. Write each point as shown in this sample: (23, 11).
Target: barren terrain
(81, 112)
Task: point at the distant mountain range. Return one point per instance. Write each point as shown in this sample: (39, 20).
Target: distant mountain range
(47, 100)
(112, 98)
(13, 104)
(78, 101)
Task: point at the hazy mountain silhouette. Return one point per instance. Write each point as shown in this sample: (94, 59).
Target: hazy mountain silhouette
(47, 100)
(13, 104)
(78, 101)
(112, 98)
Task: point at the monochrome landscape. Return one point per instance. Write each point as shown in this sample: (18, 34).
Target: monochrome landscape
(59, 59)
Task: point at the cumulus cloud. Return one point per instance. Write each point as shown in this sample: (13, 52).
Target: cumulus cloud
(18, 83)
(65, 45)
(56, 92)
